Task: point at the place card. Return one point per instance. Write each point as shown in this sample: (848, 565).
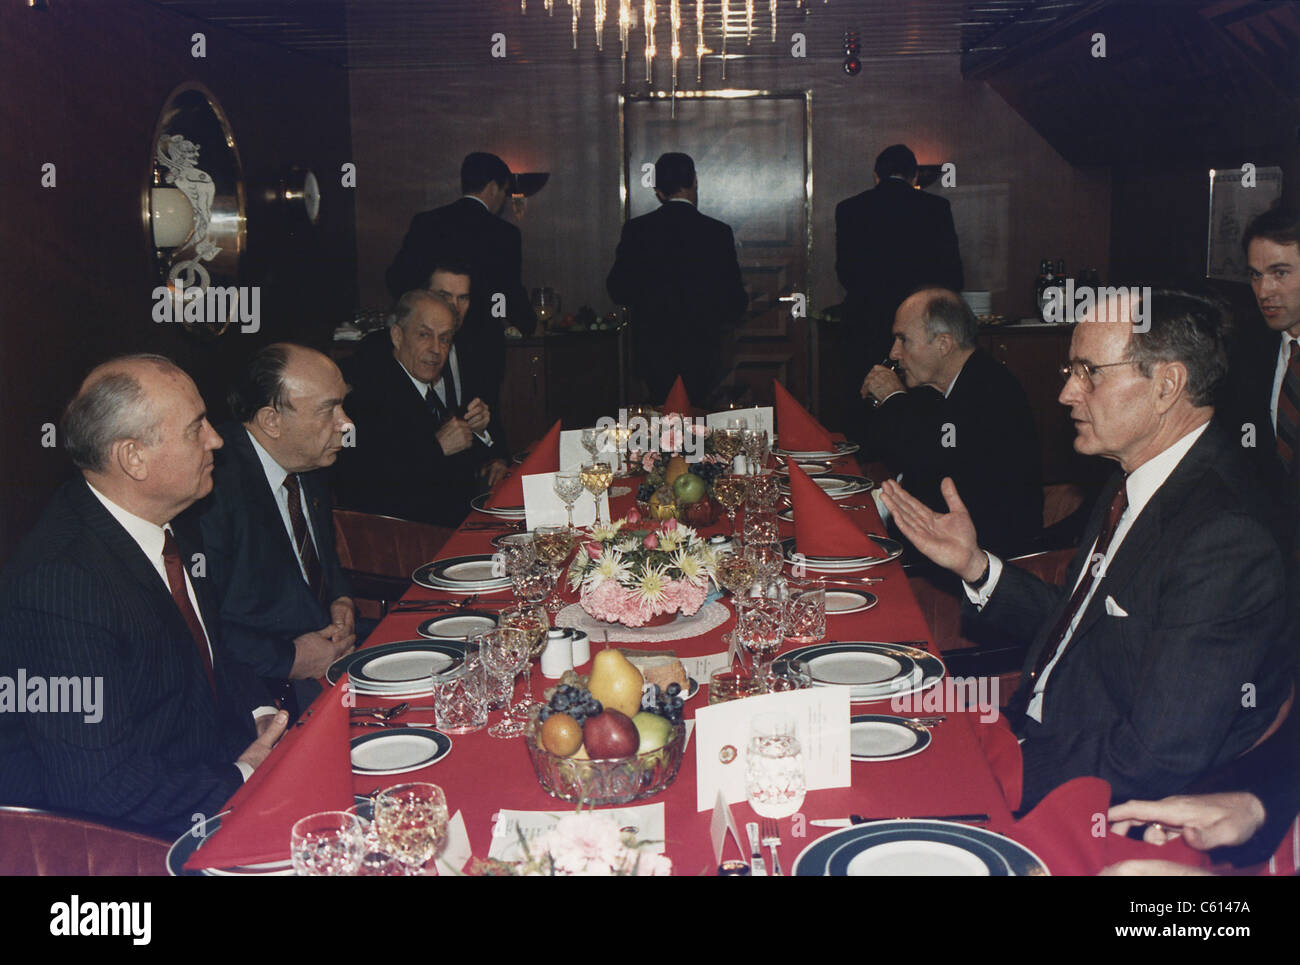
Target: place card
(700, 669)
(457, 852)
(724, 823)
(543, 508)
(646, 819)
(722, 735)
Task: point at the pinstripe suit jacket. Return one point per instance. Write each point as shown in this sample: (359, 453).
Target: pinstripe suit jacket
(81, 599)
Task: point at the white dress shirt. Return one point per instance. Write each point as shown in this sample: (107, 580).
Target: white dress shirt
(1279, 373)
(1142, 483)
(275, 477)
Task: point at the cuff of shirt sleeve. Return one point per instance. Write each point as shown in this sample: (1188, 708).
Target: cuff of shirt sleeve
(981, 596)
(245, 769)
(892, 394)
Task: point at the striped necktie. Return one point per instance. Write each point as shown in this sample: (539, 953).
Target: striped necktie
(1288, 410)
(301, 536)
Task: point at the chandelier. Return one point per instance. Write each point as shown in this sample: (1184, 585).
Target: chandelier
(645, 14)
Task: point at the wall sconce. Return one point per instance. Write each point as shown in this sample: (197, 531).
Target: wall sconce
(524, 186)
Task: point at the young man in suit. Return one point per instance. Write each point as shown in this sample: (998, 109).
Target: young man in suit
(472, 229)
(105, 588)
(960, 415)
(676, 270)
(1166, 654)
(1263, 399)
(414, 457)
(268, 525)
(889, 241)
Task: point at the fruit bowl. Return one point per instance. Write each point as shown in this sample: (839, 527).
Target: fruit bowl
(599, 782)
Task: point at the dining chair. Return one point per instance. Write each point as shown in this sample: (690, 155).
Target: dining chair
(38, 842)
(379, 554)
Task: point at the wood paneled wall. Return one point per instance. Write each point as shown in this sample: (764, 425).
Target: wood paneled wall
(84, 83)
(411, 128)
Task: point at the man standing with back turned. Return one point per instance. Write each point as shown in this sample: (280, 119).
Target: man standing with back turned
(676, 270)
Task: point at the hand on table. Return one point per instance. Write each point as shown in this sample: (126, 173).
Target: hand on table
(881, 383)
(270, 728)
(1205, 821)
(946, 538)
(455, 436)
(495, 471)
(477, 414)
(315, 651)
(344, 615)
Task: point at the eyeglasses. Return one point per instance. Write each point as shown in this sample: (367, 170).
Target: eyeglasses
(1086, 372)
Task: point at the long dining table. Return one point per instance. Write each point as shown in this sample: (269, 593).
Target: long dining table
(483, 774)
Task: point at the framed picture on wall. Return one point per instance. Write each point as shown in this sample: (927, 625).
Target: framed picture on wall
(1236, 196)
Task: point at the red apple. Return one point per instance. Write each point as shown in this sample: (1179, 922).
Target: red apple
(610, 734)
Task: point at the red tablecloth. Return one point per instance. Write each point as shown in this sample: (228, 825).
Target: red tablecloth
(482, 774)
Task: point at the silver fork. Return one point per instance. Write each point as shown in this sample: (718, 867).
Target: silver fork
(772, 838)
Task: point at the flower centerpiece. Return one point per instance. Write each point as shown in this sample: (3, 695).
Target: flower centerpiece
(636, 572)
(588, 843)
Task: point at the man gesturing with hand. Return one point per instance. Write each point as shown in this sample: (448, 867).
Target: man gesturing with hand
(1164, 654)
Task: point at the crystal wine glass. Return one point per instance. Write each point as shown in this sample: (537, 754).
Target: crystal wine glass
(518, 552)
(760, 630)
(727, 444)
(554, 544)
(327, 843)
(534, 619)
(591, 441)
(764, 492)
(754, 443)
(411, 820)
(596, 478)
(735, 572)
(568, 486)
(775, 781)
(761, 527)
(730, 492)
(506, 650)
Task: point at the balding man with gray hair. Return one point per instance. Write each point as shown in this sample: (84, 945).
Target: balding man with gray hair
(121, 701)
(956, 412)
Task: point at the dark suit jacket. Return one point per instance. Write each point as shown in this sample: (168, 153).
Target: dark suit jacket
(80, 599)
(888, 241)
(493, 248)
(1153, 700)
(994, 457)
(676, 270)
(397, 467)
(252, 568)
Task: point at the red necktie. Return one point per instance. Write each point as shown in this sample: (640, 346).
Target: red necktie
(176, 582)
(1288, 410)
(1118, 504)
(301, 536)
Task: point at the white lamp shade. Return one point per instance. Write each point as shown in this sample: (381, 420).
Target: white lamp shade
(172, 216)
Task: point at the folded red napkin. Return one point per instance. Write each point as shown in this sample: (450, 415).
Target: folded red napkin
(1002, 751)
(821, 528)
(310, 770)
(545, 457)
(797, 430)
(677, 400)
(1068, 830)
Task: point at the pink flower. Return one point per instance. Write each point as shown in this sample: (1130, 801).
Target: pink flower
(633, 516)
(670, 440)
(648, 463)
(651, 541)
(669, 524)
(594, 550)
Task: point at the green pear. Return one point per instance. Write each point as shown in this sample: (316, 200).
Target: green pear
(615, 682)
(655, 731)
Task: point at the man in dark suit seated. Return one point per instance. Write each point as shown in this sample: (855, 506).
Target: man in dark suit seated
(1166, 654)
(677, 272)
(415, 457)
(105, 590)
(889, 241)
(472, 229)
(960, 415)
(268, 525)
(462, 377)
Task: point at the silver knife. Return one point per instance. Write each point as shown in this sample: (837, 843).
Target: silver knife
(757, 867)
